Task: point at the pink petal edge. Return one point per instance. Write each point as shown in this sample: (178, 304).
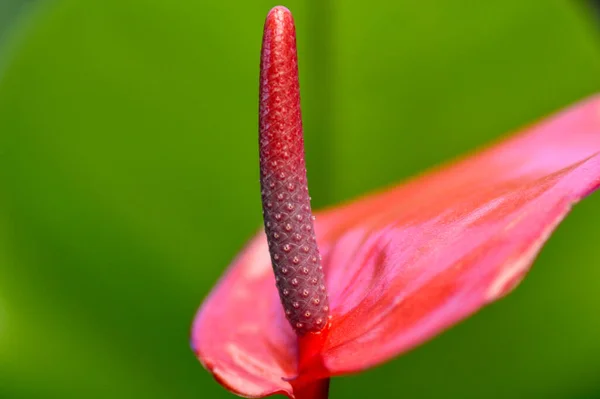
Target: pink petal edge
(405, 264)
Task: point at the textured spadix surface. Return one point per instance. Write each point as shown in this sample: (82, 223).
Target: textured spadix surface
(284, 190)
(405, 264)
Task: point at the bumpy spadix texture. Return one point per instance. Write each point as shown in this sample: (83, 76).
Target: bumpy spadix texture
(407, 263)
(286, 203)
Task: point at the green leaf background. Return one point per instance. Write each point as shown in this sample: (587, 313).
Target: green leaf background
(129, 180)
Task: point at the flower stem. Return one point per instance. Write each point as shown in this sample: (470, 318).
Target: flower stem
(318, 389)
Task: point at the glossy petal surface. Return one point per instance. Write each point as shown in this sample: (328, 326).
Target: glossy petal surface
(407, 263)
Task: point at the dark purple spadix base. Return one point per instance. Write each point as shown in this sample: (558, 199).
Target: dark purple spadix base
(285, 200)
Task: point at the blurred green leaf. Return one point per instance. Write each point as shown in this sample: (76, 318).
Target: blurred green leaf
(129, 180)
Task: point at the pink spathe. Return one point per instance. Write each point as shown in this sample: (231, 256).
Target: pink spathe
(405, 264)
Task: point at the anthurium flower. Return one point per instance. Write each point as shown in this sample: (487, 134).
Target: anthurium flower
(392, 269)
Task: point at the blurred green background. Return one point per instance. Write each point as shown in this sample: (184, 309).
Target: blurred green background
(129, 179)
